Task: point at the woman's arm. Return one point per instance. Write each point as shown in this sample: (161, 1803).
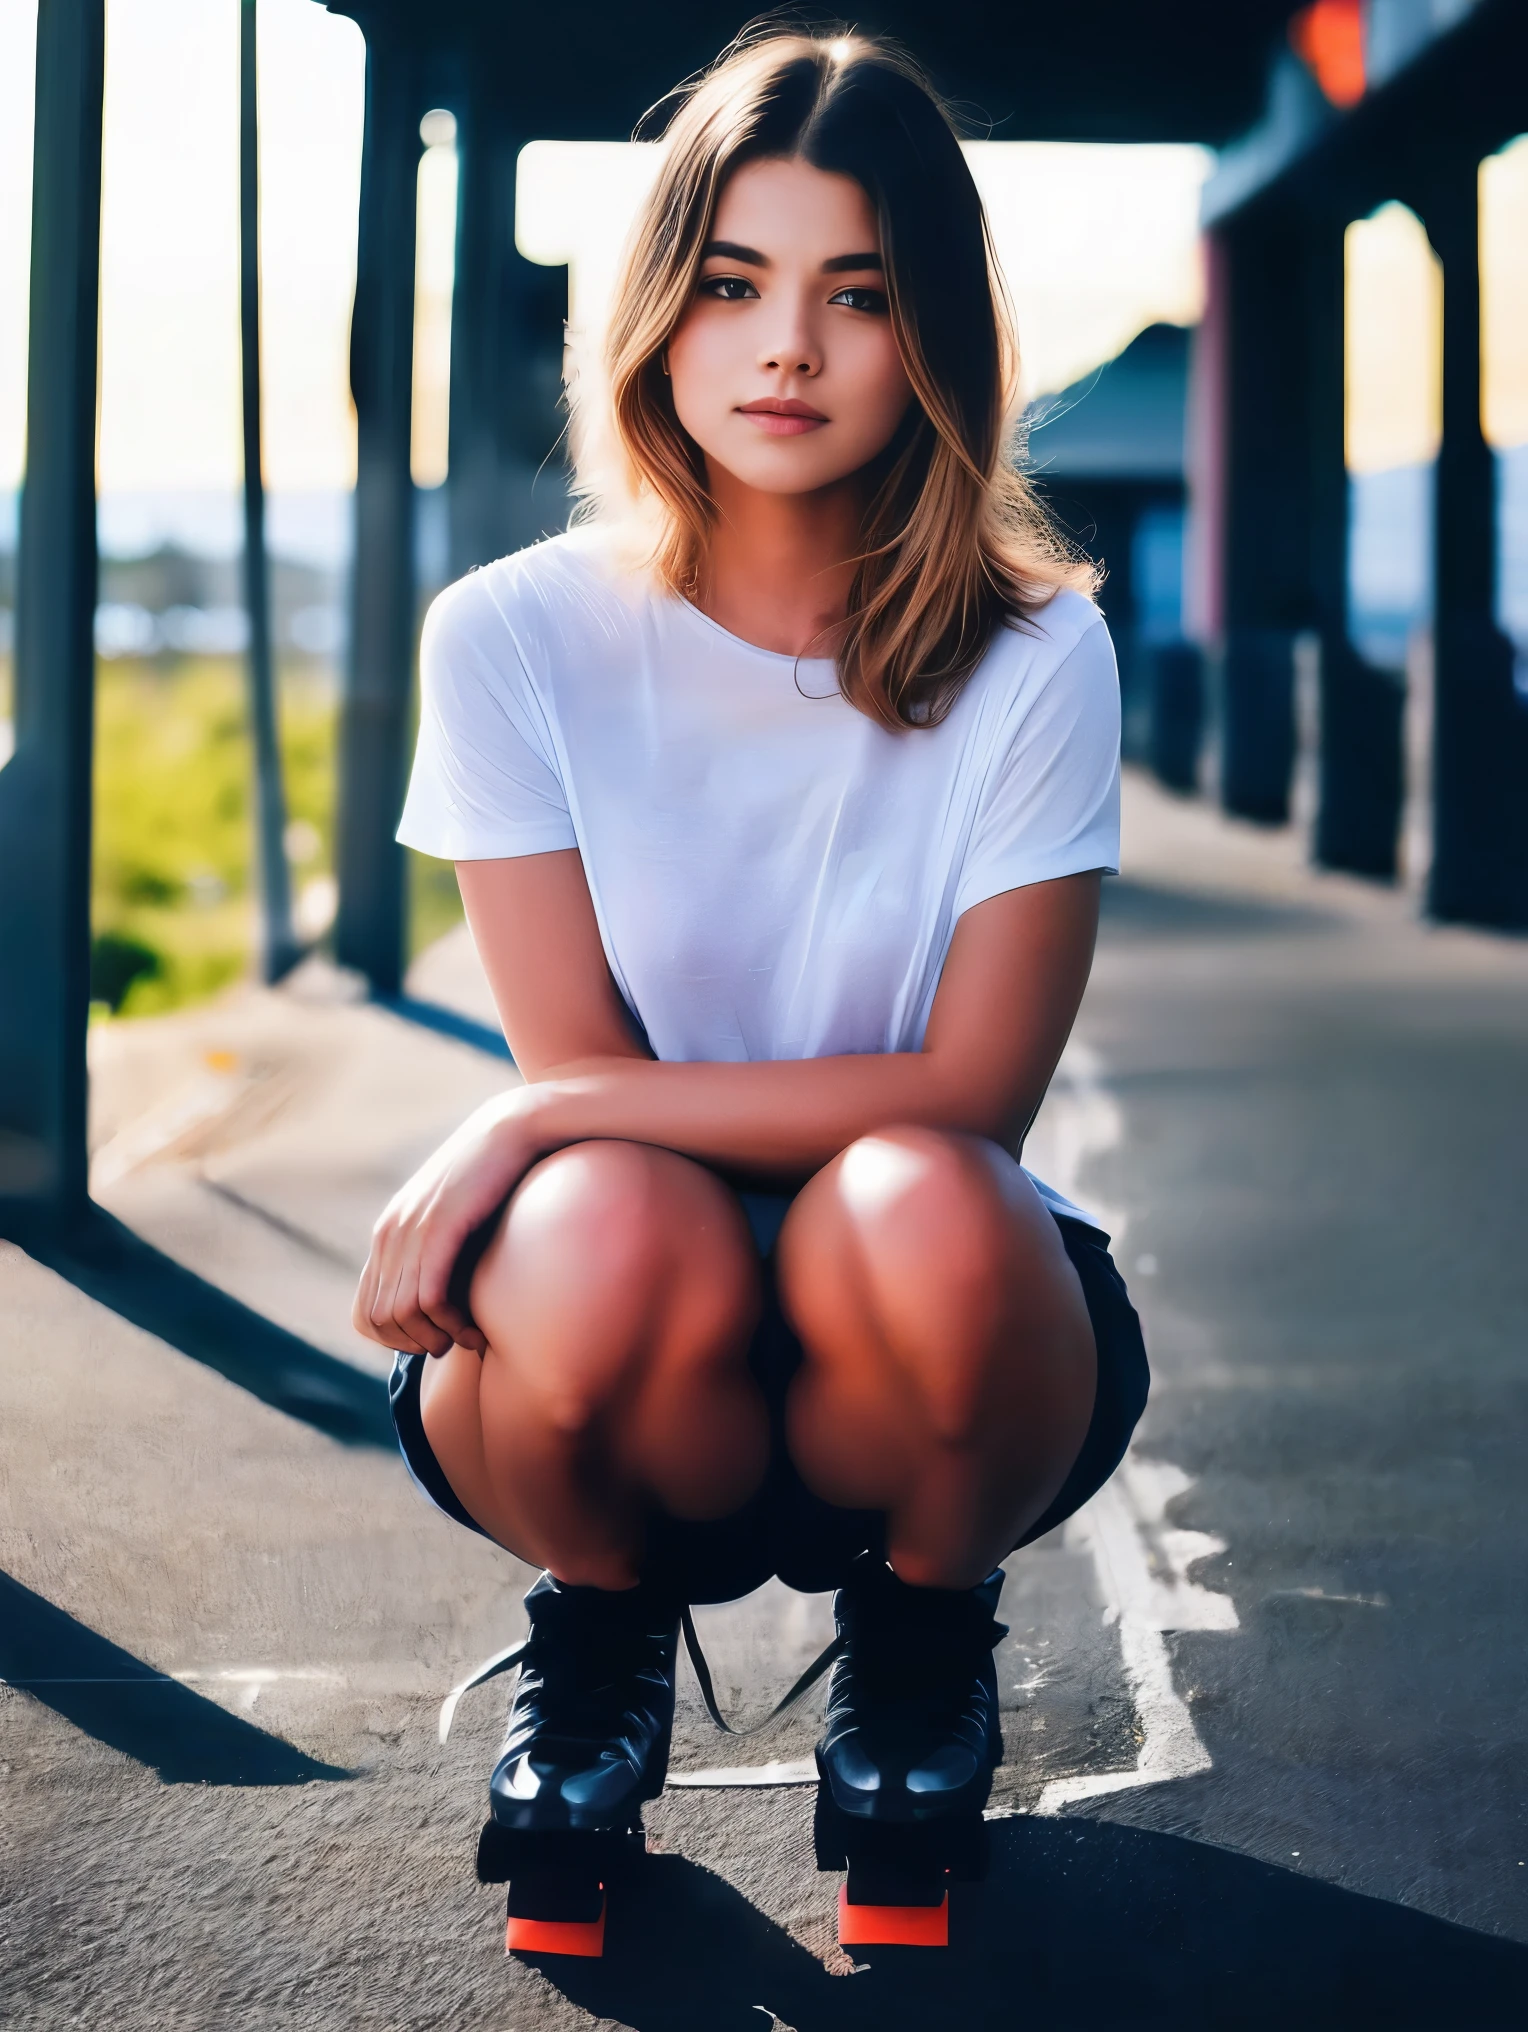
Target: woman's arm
(1007, 998)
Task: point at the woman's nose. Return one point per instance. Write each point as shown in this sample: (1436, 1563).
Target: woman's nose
(792, 351)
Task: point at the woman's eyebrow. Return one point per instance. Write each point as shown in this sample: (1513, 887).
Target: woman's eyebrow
(839, 264)
(729, 250)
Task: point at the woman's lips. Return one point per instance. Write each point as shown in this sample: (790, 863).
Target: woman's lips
(783, 419)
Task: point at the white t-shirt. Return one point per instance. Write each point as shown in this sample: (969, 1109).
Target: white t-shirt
(774, 874)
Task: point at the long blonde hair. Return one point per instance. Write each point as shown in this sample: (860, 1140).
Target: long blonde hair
(954, 541)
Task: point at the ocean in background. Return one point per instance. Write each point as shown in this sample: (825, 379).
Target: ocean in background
(1390, 530)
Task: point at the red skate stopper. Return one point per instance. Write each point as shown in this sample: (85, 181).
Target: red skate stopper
(556, 1936)
(892, 1925)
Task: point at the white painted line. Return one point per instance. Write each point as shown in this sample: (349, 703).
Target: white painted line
(1316, 1594)
(1141, 1561)
(1142, 1567)
(748, 1775)
(1080, 1119)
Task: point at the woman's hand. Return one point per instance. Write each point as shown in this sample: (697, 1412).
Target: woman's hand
(404, 1299)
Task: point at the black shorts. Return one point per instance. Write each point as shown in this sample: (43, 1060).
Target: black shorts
(784, 1529)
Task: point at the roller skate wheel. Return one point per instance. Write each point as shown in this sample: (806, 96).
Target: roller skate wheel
(892, 1925)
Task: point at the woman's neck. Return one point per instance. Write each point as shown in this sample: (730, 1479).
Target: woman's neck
(779, 567)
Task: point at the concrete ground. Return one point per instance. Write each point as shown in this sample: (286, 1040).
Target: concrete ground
(1267, 1755)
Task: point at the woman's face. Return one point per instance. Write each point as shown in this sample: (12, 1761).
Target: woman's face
(785, 368)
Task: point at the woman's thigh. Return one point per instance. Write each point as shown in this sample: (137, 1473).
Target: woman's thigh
(618, 1272)
(942, 1322)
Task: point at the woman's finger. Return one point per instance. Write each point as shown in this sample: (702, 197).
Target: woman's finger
(379, 1282)
(401, 1298)
(374, 1314)
(363, 1311)
(399, 1343)
(438, 1263)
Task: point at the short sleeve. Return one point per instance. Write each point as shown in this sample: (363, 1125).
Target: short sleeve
(1050, 805)
(485, 784)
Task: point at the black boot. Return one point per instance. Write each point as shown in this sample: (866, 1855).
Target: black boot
(913, 1727)
(589, 1726)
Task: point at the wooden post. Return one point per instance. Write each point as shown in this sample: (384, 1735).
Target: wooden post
(1361, 770)
(45, 789)
(279, 948)
(370, 932)
(1480, 724)
(506, 486)
(1264, 586)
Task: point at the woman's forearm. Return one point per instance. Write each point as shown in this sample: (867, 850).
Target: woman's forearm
(783, 1117)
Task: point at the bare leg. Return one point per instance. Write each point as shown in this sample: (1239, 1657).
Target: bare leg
(950, 1365)
(618, 1298)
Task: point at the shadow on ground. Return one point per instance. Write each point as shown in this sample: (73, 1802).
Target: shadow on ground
(108, 1693)
(1142, 910)
(111, 1264)
(1080, 1924)
(446, 1023)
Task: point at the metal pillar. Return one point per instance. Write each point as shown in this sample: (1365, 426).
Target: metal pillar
(1361, 768)
(370, 929)
(506, 481)
(280, 951)
(1264, 586)
(1480, 724)
(45, 789)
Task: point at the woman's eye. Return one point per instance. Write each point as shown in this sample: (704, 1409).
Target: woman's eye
(856, 298)
(728, 288)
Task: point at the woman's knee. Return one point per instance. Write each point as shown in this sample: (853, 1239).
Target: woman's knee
(911, 1260)
(603, 1216)
(601, 1200)
(911, 1215)
(915, 1184)
(608, 1255)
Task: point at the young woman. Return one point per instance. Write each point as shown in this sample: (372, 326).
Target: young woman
(779, 794)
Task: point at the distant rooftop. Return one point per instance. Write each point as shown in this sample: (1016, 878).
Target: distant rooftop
(1124, 422)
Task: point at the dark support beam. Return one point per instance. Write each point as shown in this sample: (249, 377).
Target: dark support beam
(1174, 675)
(507, 484)
(45, 788)
(1265, 591)
(1285, 540)
(1480, 723)
(279, 951)
(370, 932)
(1361, 771)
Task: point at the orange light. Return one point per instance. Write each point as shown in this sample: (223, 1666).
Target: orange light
(1330, 38)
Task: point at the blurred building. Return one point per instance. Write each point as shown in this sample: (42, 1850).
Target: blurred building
(1108, 454)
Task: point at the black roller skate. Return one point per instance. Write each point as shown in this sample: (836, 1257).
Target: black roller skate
(906, 1765)
(587, 1744)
